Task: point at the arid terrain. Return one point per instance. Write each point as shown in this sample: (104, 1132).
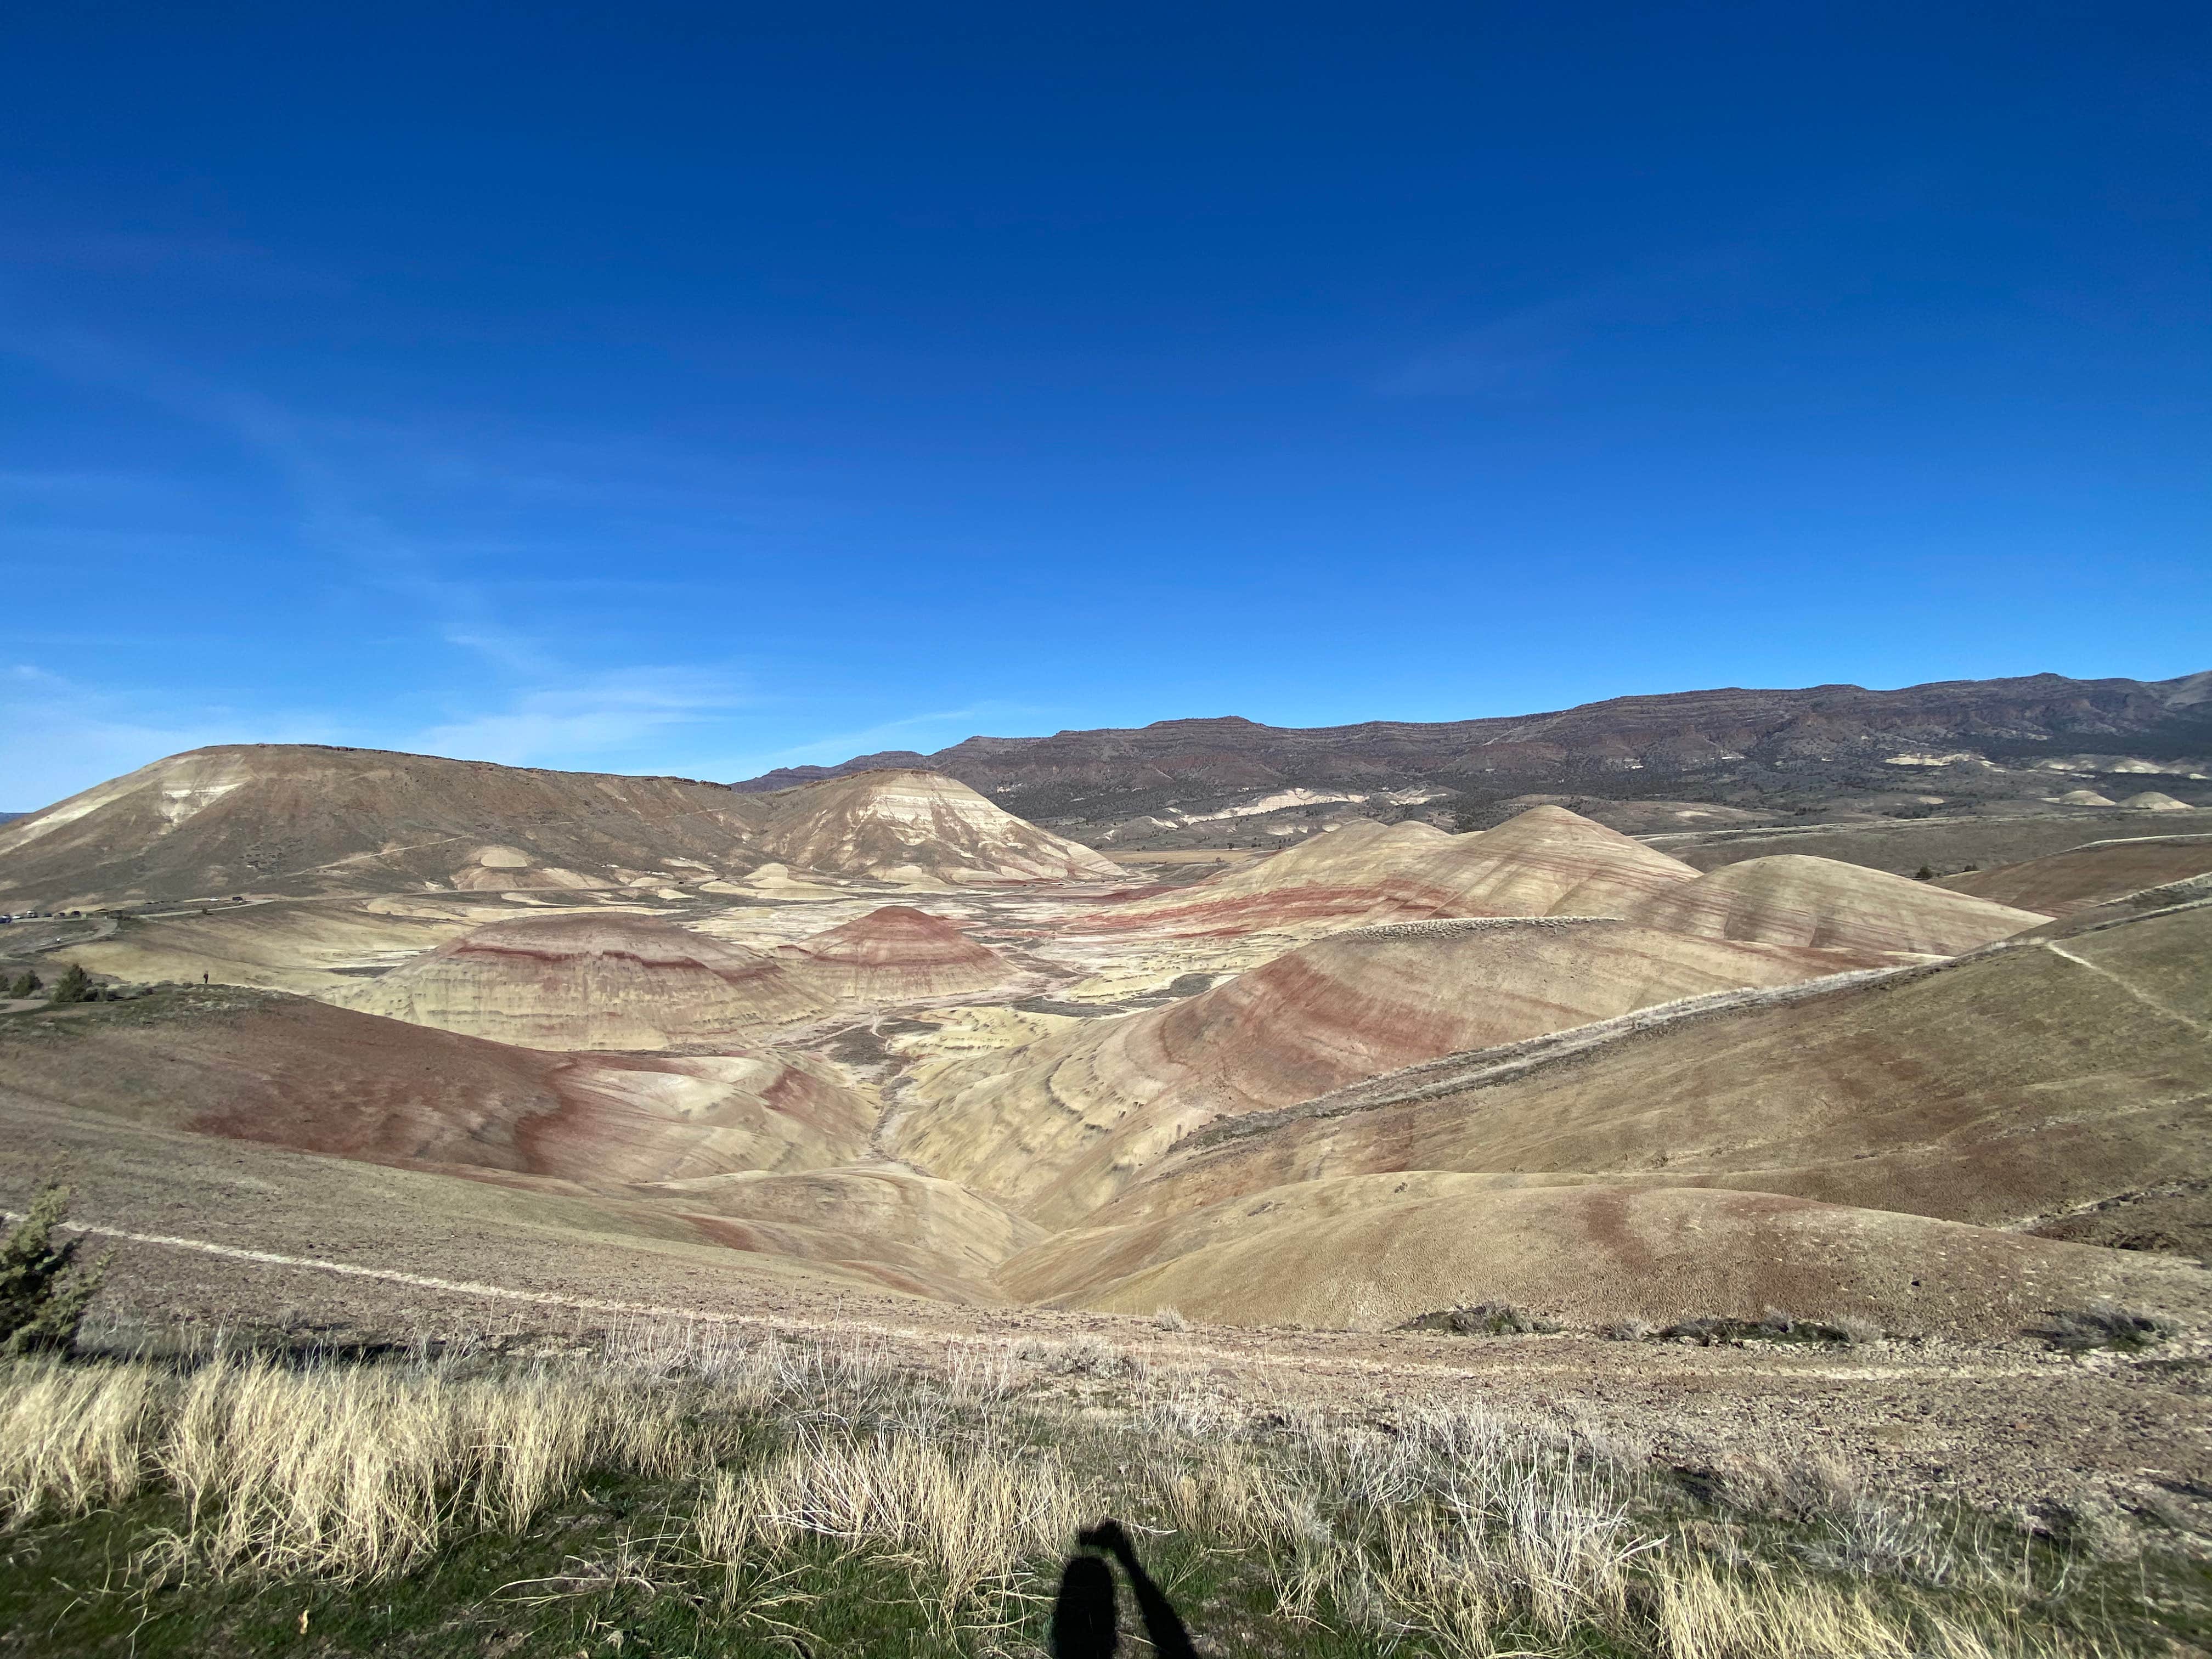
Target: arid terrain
(1846, 1141)
(1689, 761)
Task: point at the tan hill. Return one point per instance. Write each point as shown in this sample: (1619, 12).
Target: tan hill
(2153, 800)
(2103, 871)
(2063, 1086)
(1912, 1147)
(1371, 1253)
(1791, 899)
(897, 954)
(916, 825)
(2084, 798)
(300, 818)
(1546, 862)
(309, 946)
(1904, 846)
(1055, 1128)
(608, 980)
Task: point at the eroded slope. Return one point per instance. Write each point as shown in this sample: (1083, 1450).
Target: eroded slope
(1057, 1127)
(1792, 899)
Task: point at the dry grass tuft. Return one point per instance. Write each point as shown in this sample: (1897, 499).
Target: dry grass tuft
(1451, 1532)
(356, 1471)
(2106, 1325)
(964, 1518)
(70, 1437)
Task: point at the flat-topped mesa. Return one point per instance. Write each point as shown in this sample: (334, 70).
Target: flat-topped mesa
(1546, 862)
(1112, 773)
(1055, 1128)
(1792, 899)
(918, 827)
(896, 954)
(604, 980)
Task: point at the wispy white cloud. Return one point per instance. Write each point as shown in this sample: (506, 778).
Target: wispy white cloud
(513, 682)
(212, 260)
(895, 734)
(57, 736)
(1530, 349)
(594, 716)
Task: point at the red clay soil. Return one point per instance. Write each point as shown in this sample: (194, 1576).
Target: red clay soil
(261, 1066)
(897, 954)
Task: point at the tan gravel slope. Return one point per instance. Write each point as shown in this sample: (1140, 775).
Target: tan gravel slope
(2103, 871)
(1360, 1254)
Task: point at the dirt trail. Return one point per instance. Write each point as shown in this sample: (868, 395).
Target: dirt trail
(2128, 986)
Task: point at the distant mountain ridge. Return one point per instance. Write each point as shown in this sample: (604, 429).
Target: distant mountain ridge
(305, 817)
(1696, 734)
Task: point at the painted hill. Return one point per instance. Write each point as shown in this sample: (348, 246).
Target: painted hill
(303, 818)
(1057, 1127)
(897, 954)
(2062, 882)
(905, 825)
(259, 1065)
(2065, 1090)
(1546, 862)
(761, 1154)
(611, 980)
(1790, 899)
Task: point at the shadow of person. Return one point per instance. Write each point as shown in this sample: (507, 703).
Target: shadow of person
(1085, 1622)
(1085, 1618)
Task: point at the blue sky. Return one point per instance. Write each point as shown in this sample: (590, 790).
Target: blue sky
(702, 389)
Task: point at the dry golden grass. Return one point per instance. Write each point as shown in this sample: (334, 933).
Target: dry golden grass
(70, 1437)
(965, 1519)
(1462, 1534)
(338, 1470)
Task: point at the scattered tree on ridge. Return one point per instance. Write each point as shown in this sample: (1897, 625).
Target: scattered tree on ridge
(43, 1292)
(75, 986)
